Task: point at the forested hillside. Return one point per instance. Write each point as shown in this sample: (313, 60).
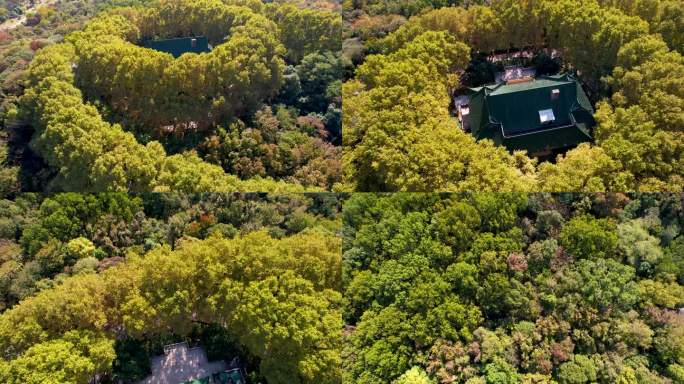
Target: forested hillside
(260, 112)
(9, 9)
(412, 56)
(94, 285)
(44, 25)
(514, 288)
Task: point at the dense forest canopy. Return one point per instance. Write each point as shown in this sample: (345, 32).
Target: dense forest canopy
(94, 285)
(514, 288)
(399, 135)
(260, 112)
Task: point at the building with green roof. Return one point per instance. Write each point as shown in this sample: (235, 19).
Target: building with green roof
(185, 365)
(233, 376)
(538, 115)
(181, 45)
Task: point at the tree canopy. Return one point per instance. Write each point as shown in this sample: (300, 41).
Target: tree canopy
(105, 113)
(399, 135)
(513, 288)
(102, 276)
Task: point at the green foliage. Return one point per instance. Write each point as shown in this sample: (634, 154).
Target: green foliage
(578, 371)
(318, 72)
(163, 108)
(508, 288)
(132, 360)
(480, 72)
(676, 372)
(673, 260)
(645, 113)
(8, 174)
(403, 7)
(414, 376)
(305, 31)
(73, 358)
(398, 135)
(585, 237)
(205, 79)
(500, 372)
(640, 248)
(54, 337)
(583, 169)
(54, 236)
(634, 73)
(277, 147)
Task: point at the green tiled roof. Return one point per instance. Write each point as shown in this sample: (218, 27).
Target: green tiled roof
(549, 139)
(479, 117)
(179, 46)
(509, 114)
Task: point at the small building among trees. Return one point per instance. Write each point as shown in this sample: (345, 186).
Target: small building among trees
(184, 365)
(538, 115)
(181, 45)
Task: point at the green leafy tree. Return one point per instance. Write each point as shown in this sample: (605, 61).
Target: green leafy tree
(304, 31)
(414, 376)
(588, 238)
(75, 358)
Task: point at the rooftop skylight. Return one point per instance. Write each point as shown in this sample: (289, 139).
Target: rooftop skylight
(546, 116)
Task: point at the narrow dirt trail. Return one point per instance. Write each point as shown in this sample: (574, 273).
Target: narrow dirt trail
(11, 24)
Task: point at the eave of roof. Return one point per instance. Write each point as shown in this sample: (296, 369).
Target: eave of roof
(540, 141)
